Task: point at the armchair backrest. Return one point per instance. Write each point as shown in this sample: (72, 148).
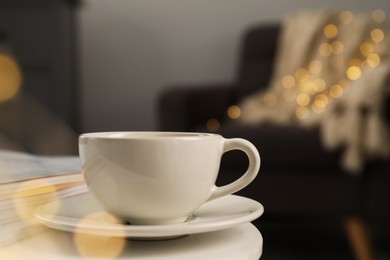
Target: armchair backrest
(258, 51)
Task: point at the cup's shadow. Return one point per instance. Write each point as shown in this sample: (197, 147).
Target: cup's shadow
(192, 217)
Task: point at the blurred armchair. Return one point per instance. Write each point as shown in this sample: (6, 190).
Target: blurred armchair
(298, 176)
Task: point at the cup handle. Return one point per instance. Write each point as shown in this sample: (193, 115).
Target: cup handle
(254, 165)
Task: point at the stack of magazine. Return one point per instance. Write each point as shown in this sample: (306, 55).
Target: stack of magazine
(28, 181)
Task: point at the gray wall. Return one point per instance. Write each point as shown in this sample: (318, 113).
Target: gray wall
(132, 49)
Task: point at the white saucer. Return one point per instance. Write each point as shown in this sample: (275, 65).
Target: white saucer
(82, 214)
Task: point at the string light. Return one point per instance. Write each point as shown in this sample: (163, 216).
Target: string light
(309, 89)
(306, 87)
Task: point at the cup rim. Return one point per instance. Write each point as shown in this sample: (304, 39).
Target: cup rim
(145, 135)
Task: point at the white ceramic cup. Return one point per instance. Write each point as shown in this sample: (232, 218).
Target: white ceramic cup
(155, 178)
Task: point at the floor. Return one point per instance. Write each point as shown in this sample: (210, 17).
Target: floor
(308, 239)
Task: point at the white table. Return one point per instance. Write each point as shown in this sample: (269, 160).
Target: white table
(241, 242)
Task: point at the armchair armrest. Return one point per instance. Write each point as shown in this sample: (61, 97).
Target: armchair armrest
(182, 107)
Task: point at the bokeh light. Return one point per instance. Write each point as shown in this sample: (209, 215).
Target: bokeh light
(315, 67)
(234, 112)
(346, 17)
(373, 60)
(354, 72)
(10, 78)
(303, 99)
(321, 101)
(377, 35)
(378, 15)
(366, 48)
(93, 246)
(301, 74)
(301, 112)
(320, 85)
(337, 47)
(26, 200)
(325, 49)
(336, 90)
(307, 86)
(213, 124)
(288, 81)
(330, 31)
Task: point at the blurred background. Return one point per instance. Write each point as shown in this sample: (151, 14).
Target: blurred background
(131, 50)
(126, 52)
(74, 66)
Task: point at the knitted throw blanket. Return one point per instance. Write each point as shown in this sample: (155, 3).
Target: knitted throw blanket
(332, 72)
